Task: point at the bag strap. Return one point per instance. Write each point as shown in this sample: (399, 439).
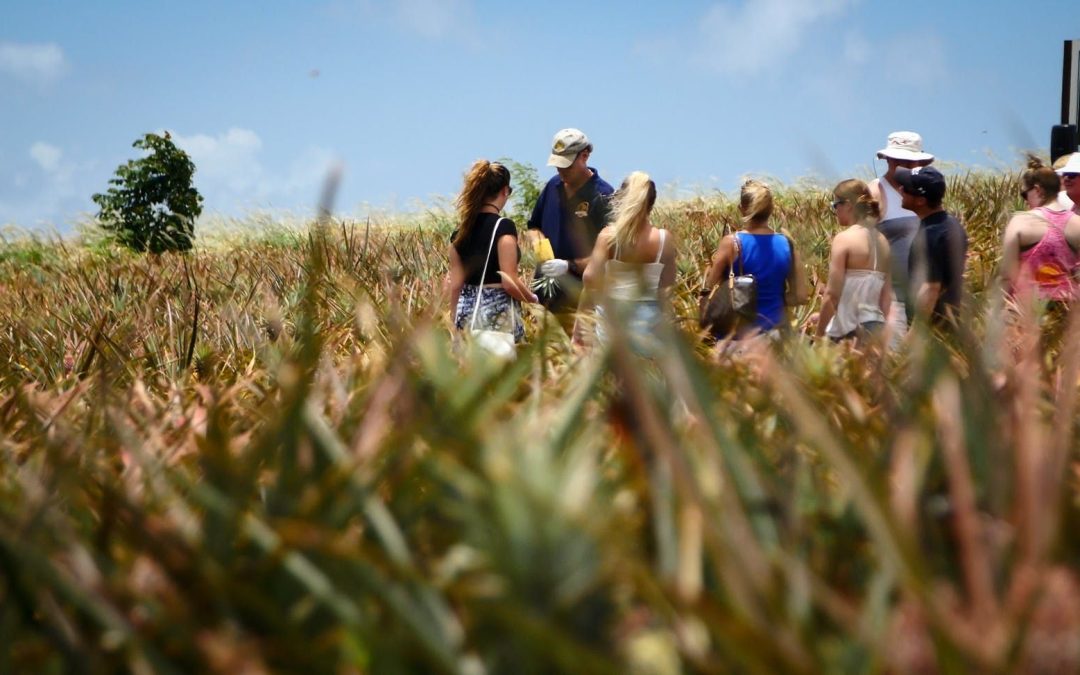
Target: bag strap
(738, 259)
(483, 274)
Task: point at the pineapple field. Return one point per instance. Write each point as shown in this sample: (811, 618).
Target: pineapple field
(269, 455)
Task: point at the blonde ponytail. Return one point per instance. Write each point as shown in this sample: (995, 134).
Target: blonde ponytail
(755, 201)
(631, 207)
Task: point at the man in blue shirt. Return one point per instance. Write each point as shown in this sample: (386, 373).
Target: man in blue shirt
(571, 210)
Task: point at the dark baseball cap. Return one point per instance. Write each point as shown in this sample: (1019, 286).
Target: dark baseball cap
(923, 181)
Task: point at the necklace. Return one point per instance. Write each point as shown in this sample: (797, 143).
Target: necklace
(497, 209)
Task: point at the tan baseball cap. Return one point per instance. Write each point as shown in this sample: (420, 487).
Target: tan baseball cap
(565, 147)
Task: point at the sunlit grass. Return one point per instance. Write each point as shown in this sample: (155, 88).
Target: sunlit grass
(267, 455)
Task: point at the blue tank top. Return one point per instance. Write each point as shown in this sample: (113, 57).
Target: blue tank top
(768, 258)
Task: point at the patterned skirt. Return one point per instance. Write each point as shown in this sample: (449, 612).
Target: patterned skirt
(495, 311)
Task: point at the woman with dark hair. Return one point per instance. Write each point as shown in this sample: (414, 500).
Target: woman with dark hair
(484, 255)
(632, 264)
(1041, 244)
(770, 257)
(859, 291)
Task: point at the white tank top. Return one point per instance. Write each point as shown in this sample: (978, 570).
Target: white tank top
(892, 202)
(634, 281)
(859, 301)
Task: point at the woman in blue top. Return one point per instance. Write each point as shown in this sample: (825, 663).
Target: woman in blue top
(766, 255)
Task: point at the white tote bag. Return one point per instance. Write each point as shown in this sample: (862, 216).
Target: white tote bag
(496, 342)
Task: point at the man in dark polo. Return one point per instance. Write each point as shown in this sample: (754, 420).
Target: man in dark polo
(571, 210)
(938, 252)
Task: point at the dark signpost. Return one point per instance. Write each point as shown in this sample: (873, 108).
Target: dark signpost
(1063, 137)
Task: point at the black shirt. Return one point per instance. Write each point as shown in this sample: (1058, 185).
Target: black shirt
(938, 254)
(473, 248)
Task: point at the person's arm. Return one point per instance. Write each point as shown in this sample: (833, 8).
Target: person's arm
(1010, 252)
(592, 281)
(669, 258)
(797, 276)
(834, 288)
(455, 279)
(926, 297)
(878, 194)
(507, 249)
(885, 265)
(721, 261)
(937, 261)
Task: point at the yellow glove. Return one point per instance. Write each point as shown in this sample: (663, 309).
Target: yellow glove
(542, 247)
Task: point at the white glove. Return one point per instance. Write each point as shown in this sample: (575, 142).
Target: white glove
(554, 268)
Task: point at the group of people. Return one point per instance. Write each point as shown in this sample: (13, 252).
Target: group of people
(898, 255)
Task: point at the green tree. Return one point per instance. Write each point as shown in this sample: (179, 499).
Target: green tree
(152, 205)
(527, 186)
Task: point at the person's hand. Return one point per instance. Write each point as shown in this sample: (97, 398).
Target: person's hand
(532, 297)
(554, 268)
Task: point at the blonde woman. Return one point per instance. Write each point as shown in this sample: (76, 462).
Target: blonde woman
(632, 264)
(858, 295)
(484, 255)
(765, 254)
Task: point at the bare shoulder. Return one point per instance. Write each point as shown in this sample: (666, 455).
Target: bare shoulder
(843, 239)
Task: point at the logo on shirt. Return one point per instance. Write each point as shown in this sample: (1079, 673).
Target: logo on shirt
(582, 210)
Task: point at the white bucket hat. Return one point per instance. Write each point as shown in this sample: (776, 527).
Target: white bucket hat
(1071, 166)
(905, 145)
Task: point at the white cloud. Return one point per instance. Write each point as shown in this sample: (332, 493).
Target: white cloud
(747, 38)
(47, 156)
(435, 18)
(36, 63)
(229, 159)
(454, 20)
(929, 71)
(230, 173)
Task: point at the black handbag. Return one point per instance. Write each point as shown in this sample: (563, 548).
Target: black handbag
(727, 307)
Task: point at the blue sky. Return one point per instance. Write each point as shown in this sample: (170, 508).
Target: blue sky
(407, 93)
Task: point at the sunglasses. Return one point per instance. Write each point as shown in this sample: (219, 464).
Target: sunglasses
(1024, 191)
(837, 202)
(509, 190)
(1069, 176)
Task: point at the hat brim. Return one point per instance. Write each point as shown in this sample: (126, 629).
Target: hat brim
(561, 161)
(1071, 166)
(905, 155)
